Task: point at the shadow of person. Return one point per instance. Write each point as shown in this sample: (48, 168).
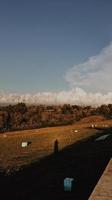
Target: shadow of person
(56, 146)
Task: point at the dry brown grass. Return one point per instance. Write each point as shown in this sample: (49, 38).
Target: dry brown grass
(12, 156)
(92, 118)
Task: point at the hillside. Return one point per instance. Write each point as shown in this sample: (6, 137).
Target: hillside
(23, 117)
(41, 142)
(92, 119)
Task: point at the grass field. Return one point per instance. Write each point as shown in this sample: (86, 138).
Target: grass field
(13, 156)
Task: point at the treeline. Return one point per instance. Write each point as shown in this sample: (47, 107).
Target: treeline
(20, 116)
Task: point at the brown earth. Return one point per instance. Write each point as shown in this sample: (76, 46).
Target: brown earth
(84, 160)
(13, 156)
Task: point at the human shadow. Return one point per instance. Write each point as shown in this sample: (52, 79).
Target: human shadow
(56, 146)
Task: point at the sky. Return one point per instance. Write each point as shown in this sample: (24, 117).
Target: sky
(55, 45)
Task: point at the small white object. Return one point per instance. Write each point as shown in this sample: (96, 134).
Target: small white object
(4, 135)
(92, 125)
(68, 183)
(76, 131)
(106, 125)
(24, 144)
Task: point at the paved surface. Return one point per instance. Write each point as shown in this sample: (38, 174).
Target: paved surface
(103, 190)
(102, 137)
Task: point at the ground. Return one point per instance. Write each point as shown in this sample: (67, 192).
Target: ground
(84, 160)
(42, 142)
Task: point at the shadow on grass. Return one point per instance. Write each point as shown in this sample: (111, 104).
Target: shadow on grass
(84, 161)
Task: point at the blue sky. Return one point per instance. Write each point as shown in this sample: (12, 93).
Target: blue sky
(40, 40)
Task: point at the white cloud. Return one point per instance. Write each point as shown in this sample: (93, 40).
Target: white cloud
(75, 96)
(95, 74)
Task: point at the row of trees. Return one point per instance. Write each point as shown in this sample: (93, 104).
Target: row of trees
(20, 116)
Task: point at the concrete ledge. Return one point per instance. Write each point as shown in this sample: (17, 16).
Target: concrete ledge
(103, 189)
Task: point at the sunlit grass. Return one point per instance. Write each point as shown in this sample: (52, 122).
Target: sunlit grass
(13, 156)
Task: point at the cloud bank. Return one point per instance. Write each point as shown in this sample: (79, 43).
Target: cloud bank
(95, 74)
(92, 76)
(74, 97)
